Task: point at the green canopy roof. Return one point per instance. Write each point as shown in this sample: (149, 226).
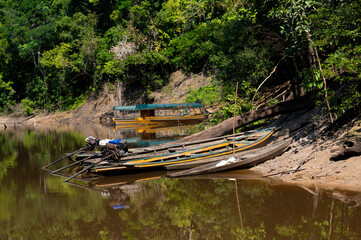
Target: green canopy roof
(157, 106)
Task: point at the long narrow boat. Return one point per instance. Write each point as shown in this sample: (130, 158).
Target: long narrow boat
(238, 161)
(136, 153)
(199, 151)
(160, 114)
(143, 152)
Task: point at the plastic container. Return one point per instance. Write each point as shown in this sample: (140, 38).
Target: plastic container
(103, 142)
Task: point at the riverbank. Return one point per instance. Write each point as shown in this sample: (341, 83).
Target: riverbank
(306, 162)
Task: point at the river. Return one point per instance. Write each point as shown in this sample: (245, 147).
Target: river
(232, 205)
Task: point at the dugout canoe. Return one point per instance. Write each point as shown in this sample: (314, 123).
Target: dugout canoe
(145, 152)
(237, 162)
(207, 150)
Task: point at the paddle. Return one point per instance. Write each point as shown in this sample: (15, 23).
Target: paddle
(85, 169)
(66, 156)
(72, 164)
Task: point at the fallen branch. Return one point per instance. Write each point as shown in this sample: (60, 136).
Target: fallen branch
(303, 161)
(284, 172)
(226, 126)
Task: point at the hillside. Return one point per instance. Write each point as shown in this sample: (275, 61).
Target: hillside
(306, 163)
(97, 107)
(54, 54)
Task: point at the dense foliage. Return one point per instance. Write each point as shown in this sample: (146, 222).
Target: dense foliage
(54, 53)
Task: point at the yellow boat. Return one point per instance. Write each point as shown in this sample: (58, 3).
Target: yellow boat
(160, 114)
(176, 154)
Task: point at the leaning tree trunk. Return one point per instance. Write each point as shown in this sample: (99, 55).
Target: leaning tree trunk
(252, 116)
(119, 93)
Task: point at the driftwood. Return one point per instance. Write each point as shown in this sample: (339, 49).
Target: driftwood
(345, 118)
(303, 161)
(351, 200)
(252, 116)
(347, 150)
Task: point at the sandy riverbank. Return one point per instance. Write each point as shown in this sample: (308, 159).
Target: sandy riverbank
(306, 162)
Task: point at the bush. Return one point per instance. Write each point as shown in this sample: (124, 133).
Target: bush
(227, 111)
(70, 103)
(6, 95)
(208, 95)
(28, 106)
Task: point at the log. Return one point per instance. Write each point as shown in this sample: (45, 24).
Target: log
(226, 126)
(345, 118)
(347, 150)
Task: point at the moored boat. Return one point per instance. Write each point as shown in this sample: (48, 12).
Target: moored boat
(160, 114)
(246, 160)
(155, 158)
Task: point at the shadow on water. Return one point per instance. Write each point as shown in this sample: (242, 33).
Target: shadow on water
(231, 205)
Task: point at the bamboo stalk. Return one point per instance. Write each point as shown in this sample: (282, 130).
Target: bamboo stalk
(234, 119)
(324, 85)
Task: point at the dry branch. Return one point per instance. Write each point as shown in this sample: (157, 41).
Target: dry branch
(274, 69)
(252, 116)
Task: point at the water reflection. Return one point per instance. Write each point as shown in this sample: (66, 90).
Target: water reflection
(147, 135)
(36, 205)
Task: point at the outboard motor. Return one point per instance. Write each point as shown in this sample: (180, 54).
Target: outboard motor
(114, 149)
(91, 143)
(122, 144)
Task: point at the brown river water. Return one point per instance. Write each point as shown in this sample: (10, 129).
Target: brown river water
(230, 205)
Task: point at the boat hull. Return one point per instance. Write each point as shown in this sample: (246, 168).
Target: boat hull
(247, 160)
(208, 151)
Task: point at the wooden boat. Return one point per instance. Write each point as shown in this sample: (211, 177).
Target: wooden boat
(245, 160)
(144, 152)
(160, 114)
(187, 153)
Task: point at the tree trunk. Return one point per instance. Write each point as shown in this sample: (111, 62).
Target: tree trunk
(252, 116)
(119, 93)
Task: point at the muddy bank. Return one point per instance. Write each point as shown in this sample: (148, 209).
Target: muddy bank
(307, 162)
(89, 113)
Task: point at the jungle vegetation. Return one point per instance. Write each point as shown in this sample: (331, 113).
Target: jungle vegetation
(54, 54)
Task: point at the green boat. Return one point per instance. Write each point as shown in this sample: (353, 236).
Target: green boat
(159, 114)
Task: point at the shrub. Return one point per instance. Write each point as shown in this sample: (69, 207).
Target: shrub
(208, 95)
(28, 106)
(6, 95)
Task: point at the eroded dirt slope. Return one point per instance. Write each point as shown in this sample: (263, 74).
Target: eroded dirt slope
(90, 112)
